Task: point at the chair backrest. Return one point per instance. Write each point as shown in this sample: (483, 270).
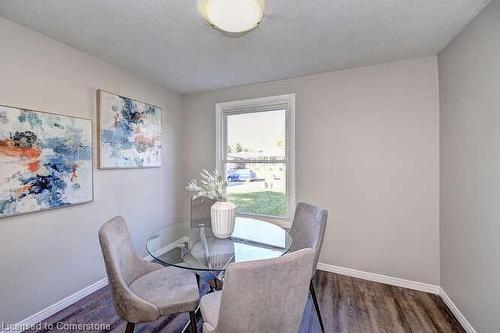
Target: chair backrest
(308, 229)
(123, 266)
(200, 212)
(265, 296)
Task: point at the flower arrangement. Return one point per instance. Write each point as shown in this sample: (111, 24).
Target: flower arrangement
(212, 186)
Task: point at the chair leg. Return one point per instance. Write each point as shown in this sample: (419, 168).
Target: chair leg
(197, 279)
(192, 320)
(316, 305)
(130, 328)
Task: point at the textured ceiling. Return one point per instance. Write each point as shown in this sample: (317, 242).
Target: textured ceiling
(167, 41)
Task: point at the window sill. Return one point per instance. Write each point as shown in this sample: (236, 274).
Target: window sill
(283, 222)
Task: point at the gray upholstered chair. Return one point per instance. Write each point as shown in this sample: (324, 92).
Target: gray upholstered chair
(308, 231)
(200, 212)
(143, 291)
(262, 296)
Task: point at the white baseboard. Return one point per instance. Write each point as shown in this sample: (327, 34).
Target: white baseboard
(56, 307)
(456, 312)
(428, 288)
(71, 299)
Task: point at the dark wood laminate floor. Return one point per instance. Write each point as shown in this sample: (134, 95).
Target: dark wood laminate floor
(348, 305)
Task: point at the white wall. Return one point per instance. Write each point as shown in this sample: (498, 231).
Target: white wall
(469, 72)
(49, 255)
(367, 149)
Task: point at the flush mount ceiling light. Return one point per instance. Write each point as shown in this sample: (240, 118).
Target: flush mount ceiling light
(234, 18)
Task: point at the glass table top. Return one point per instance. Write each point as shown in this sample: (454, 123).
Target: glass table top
(192, 245)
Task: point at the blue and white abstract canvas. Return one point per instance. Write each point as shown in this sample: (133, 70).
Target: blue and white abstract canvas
(129, 132)
(45, 161)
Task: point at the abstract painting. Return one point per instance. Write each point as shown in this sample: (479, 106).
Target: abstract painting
(129, 132)
(45, 161)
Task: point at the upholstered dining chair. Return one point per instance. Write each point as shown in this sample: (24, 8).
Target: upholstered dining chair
(308, 231)
(200, 212)
(143, 291)
(262, 296)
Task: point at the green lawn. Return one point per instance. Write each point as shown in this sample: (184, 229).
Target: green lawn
(265, 202)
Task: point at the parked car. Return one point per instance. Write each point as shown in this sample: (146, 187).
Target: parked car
(242, 175)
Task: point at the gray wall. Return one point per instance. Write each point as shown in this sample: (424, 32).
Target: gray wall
(469, 71)
(48, 256)
(367, 149)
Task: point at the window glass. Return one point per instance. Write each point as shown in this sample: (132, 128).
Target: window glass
(256, 136)
(257, 188)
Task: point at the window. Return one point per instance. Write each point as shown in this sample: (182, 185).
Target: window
(255, 152)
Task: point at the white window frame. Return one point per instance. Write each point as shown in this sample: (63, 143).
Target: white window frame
(280, 102)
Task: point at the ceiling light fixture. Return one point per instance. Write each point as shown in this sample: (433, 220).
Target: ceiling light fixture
(234, 18)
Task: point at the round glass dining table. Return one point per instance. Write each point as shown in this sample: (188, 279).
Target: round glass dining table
(193, 246)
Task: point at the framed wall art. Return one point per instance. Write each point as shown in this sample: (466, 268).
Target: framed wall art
(45, 161)
(130, 132)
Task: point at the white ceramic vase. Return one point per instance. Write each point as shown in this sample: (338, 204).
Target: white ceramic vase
(223, 214)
